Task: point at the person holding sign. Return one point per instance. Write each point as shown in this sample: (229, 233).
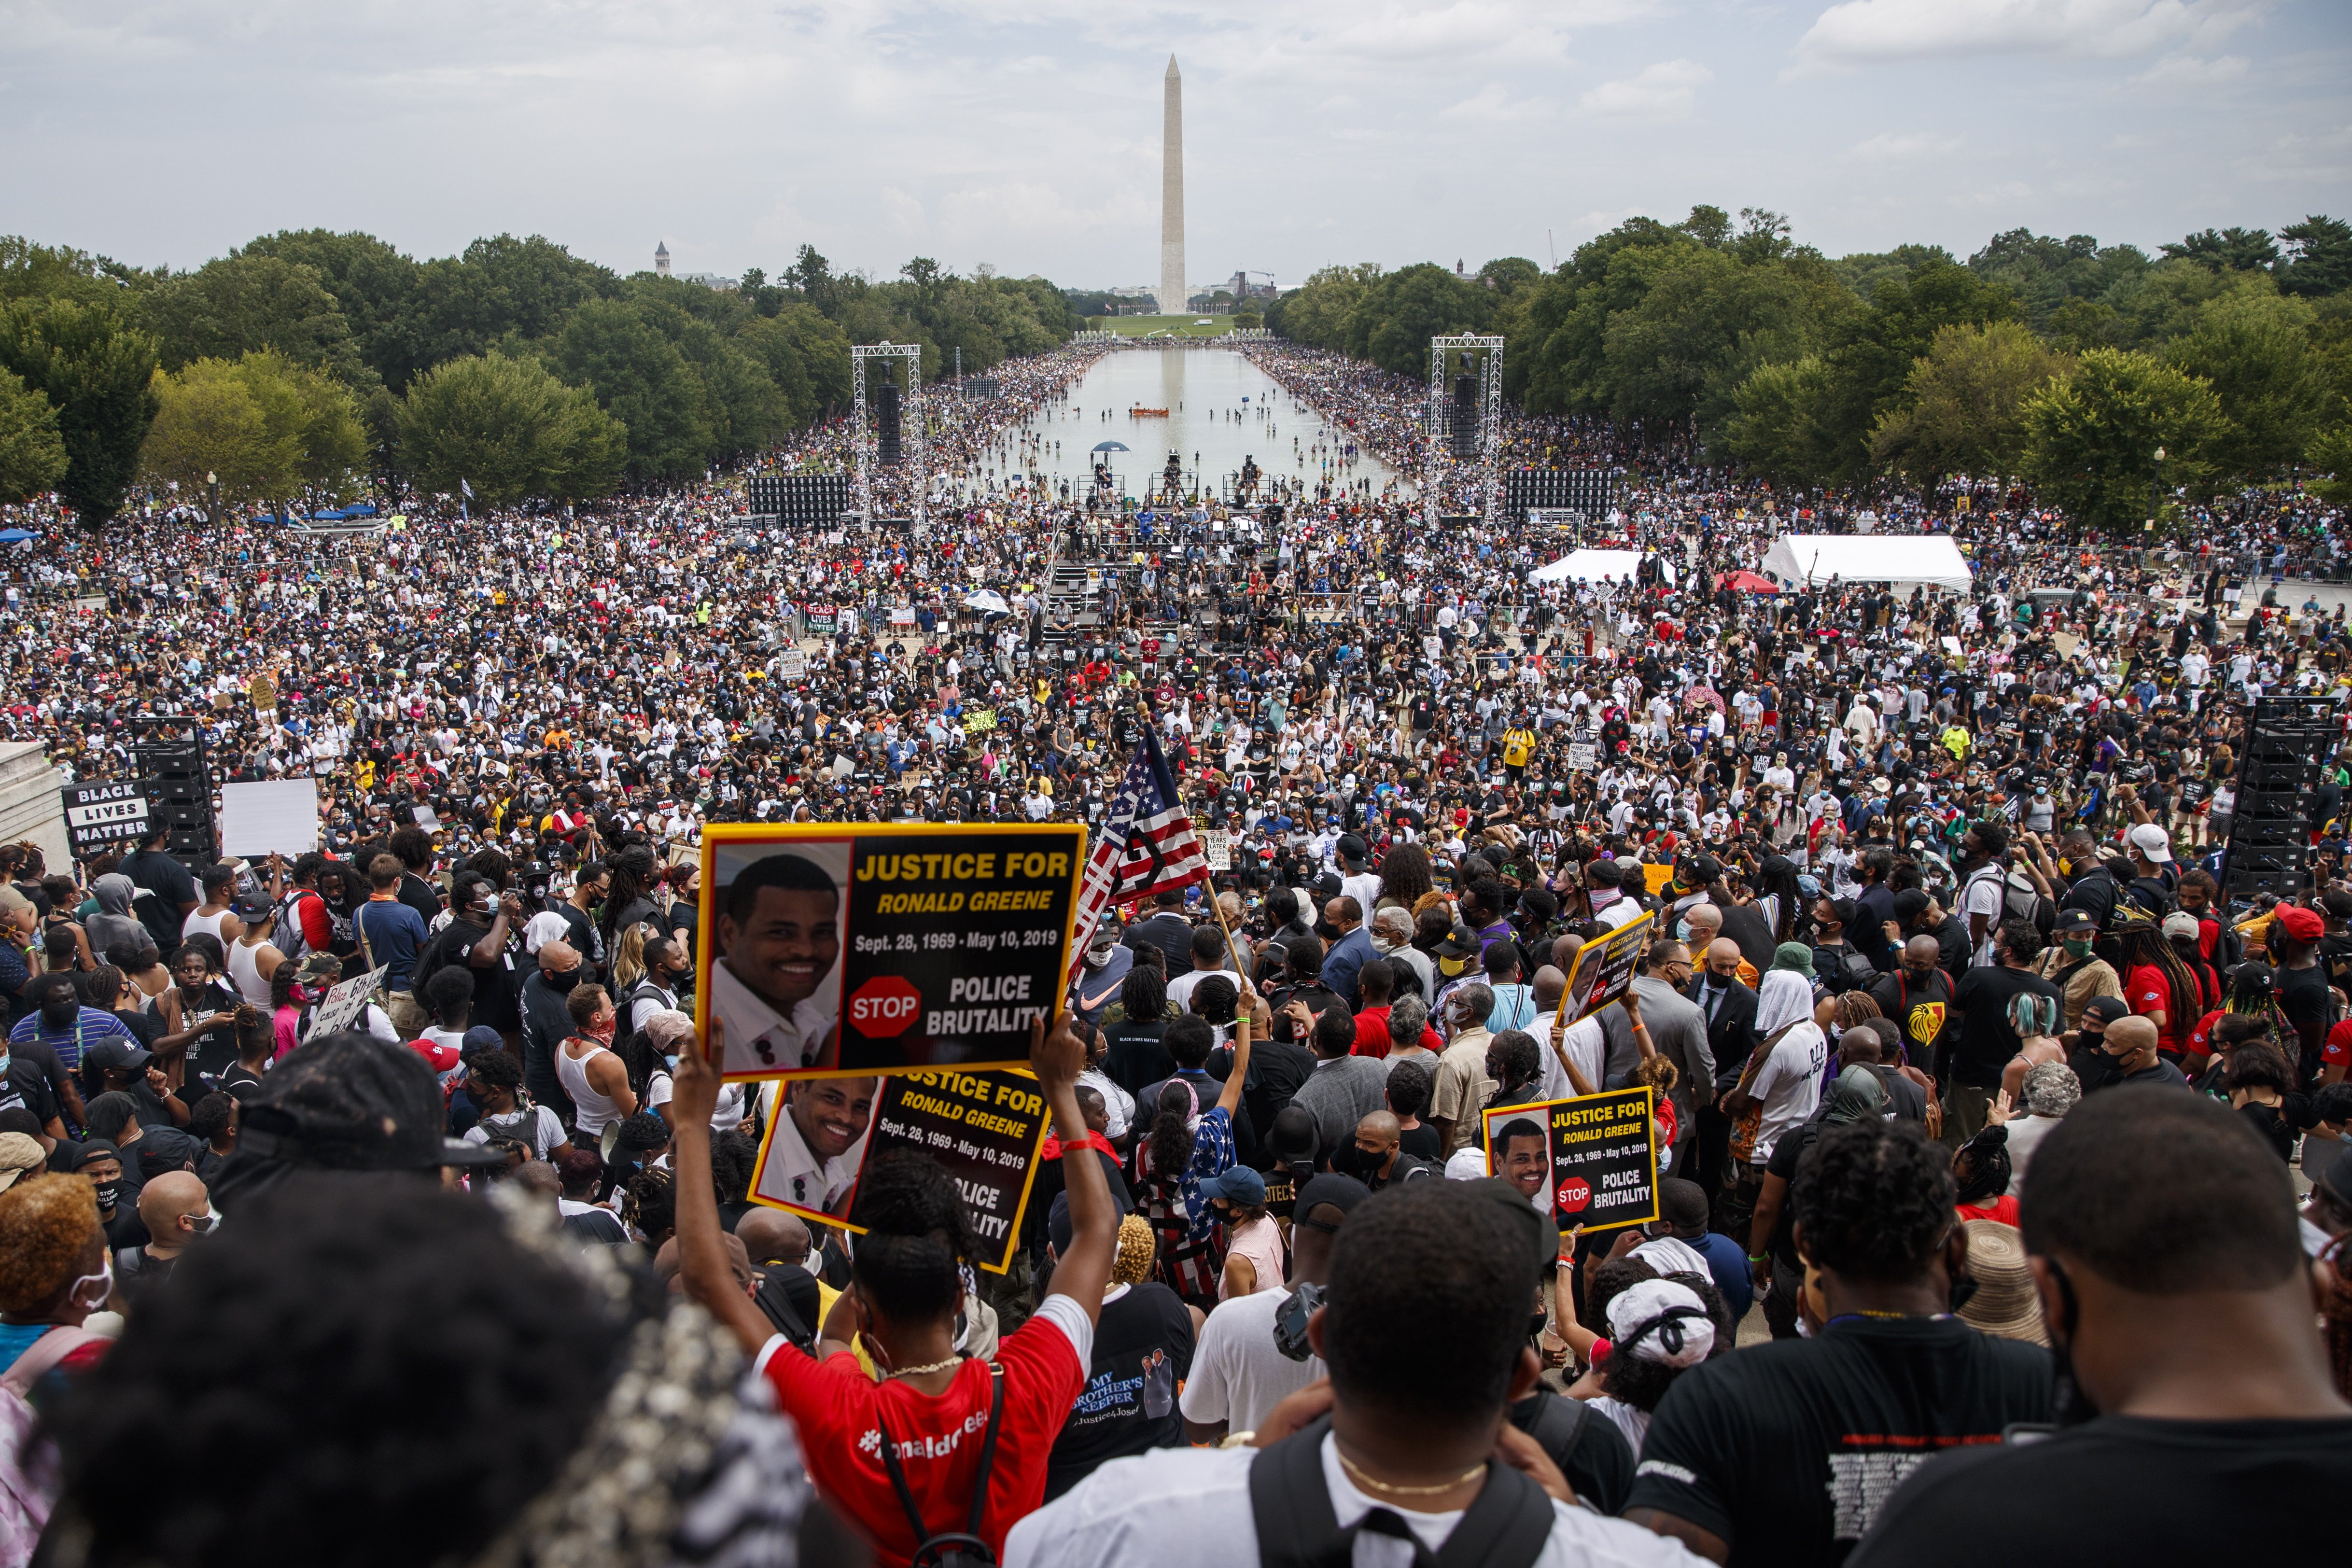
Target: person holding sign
(966, 1441)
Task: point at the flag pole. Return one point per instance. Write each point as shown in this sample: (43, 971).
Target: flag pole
(1151, 720)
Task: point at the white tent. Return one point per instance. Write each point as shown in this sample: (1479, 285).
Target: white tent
(1593, 565)
(1798, 559)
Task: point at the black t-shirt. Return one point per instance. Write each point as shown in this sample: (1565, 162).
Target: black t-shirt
(169, 881)
(421, 896)
(1143, 1349)
(1422, 1144)
(1594, 1456)
(25, 1086)
(1135, 1054)
(1987, 1040)
(2123, 1490)
(1921, 1009)
(1787, 1450)
(2302, 997)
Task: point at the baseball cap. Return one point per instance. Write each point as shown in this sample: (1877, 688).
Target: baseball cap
(1341, 1193)
(1236, 1185)
(2075, 922)
(1909, 903)
(2105, 1009)
(252, 907)
(1461, 941)
(2302, 924)
(349, 1101)
(108, 1055)
(2151, 840)
(2180, 922)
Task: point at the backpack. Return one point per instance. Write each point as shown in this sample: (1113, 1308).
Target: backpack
(952, 1549)
(287, 936)
(2021, 901)
(28, 1478)
(1508, 1525)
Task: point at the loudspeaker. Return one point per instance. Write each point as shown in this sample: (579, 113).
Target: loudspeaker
(886, 426)
(1465, 412)
(169, 755)
(1587, 490)
(801, 501)
(2269, 854)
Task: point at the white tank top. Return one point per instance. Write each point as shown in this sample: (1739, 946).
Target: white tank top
(199, 923)
(595, 1111)
(244, 969)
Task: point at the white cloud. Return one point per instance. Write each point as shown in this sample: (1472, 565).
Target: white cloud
(1863, 32)
(1890, 147)
(1667, 90)
(1493, 105)
(2188, 70)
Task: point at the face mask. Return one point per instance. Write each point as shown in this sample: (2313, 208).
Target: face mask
(1097, 960)
(561, 979)
(2078, 948)
(107, 1193)
(204, 1224)
(605, 1030)
(60, 1014)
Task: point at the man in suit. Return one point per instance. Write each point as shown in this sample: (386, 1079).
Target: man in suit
(1730, 1009)
(1678, 1032)
(1167, 930)
(1349, 951)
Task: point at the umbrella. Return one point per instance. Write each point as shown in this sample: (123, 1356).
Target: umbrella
(1749, 582)
(1706, 694)
(988, 600)
(16, 535)
(1111, 447)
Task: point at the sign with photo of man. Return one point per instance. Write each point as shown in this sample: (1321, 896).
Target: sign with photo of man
(832, 949)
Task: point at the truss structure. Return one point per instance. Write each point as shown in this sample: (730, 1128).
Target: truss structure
(912, 434)
(1489, 350)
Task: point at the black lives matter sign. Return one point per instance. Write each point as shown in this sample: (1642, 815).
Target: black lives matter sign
(98, 814)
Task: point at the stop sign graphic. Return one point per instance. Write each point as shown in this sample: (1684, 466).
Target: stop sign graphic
(884, 1006)
(1574, 1194)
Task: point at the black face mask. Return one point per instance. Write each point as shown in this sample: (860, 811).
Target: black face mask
(108, 1192)
(562, 979)
(2069, 1406)
(60, 1014)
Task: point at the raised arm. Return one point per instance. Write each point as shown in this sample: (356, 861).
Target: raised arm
(1082, 1273)
(701, 1247)
(1230, 1095)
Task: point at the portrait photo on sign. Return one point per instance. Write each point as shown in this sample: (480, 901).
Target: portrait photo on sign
(984, 1129)
(883, 948)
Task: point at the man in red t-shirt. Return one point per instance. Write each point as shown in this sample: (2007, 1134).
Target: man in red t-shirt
(931, 1405)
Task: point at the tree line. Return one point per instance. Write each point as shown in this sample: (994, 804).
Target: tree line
(303, 362)
(2059, 361)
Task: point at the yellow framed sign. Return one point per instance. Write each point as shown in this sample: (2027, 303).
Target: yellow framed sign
(872, 949)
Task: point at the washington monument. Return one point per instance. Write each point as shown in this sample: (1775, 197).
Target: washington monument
(1173, 295)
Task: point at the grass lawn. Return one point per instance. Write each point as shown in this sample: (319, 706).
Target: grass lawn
(1144, 326)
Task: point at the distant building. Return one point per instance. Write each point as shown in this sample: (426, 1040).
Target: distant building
(712, 280)
(661, 259)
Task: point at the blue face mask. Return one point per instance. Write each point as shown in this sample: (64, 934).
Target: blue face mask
(671, 1061)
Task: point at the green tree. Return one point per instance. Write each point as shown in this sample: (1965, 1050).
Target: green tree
(267, 427)
(1317, 311)
(1777, 426)
(1506, 275)
(241, 302)
(30, 271)
(32, 452)
(1401, 310)
(1869, 356)
(1963, 409)
(510, 430)
(1707, 320)
(374, 286)
(2331, 453)
(2319, 257)
(96, 371)
(824, 350)
(2228, 250)
(770, 341)
(640, 378)
(2255, 351)
(2092, 437)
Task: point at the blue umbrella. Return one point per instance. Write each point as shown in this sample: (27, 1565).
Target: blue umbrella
(16, 535)
(1112, 447)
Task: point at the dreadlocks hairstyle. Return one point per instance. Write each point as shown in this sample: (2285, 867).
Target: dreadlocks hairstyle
(918, 1236)
(634, 876)
(1875, 1200)
(1852, 1008)
(2144, 945)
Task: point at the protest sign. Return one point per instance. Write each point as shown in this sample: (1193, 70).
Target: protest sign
(98, 814)
(1583, 751)
(345, 1004)
(280, 817)
(827, 948)
(1604, 967)
(792, 664)
(983, 1127)
(822, 620)
(979, 720)
(1217, 843)
(1597, 1155)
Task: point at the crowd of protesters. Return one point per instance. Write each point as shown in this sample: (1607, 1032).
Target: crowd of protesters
(1985, 1123)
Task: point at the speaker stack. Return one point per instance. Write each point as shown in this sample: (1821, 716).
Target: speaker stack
(1590, 491)
(2269, 854)
(801, 501)
(168, 753)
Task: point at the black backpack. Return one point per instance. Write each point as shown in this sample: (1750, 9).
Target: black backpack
(952, 1549)
(1508, 1526)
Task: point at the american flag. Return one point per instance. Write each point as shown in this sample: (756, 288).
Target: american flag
(1147, 844)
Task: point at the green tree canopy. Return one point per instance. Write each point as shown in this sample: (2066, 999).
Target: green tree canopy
(1963, 408)
(95, 371)
(640, 378)
(267, 427)
(510, 430)
(32, 452)
(2255, 351)
(2092, 437)
(238, 303)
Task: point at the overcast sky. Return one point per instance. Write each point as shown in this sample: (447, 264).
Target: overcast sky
(1026, 133)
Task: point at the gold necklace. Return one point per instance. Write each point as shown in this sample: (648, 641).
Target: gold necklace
(919, 1370)
(1357, 1473)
